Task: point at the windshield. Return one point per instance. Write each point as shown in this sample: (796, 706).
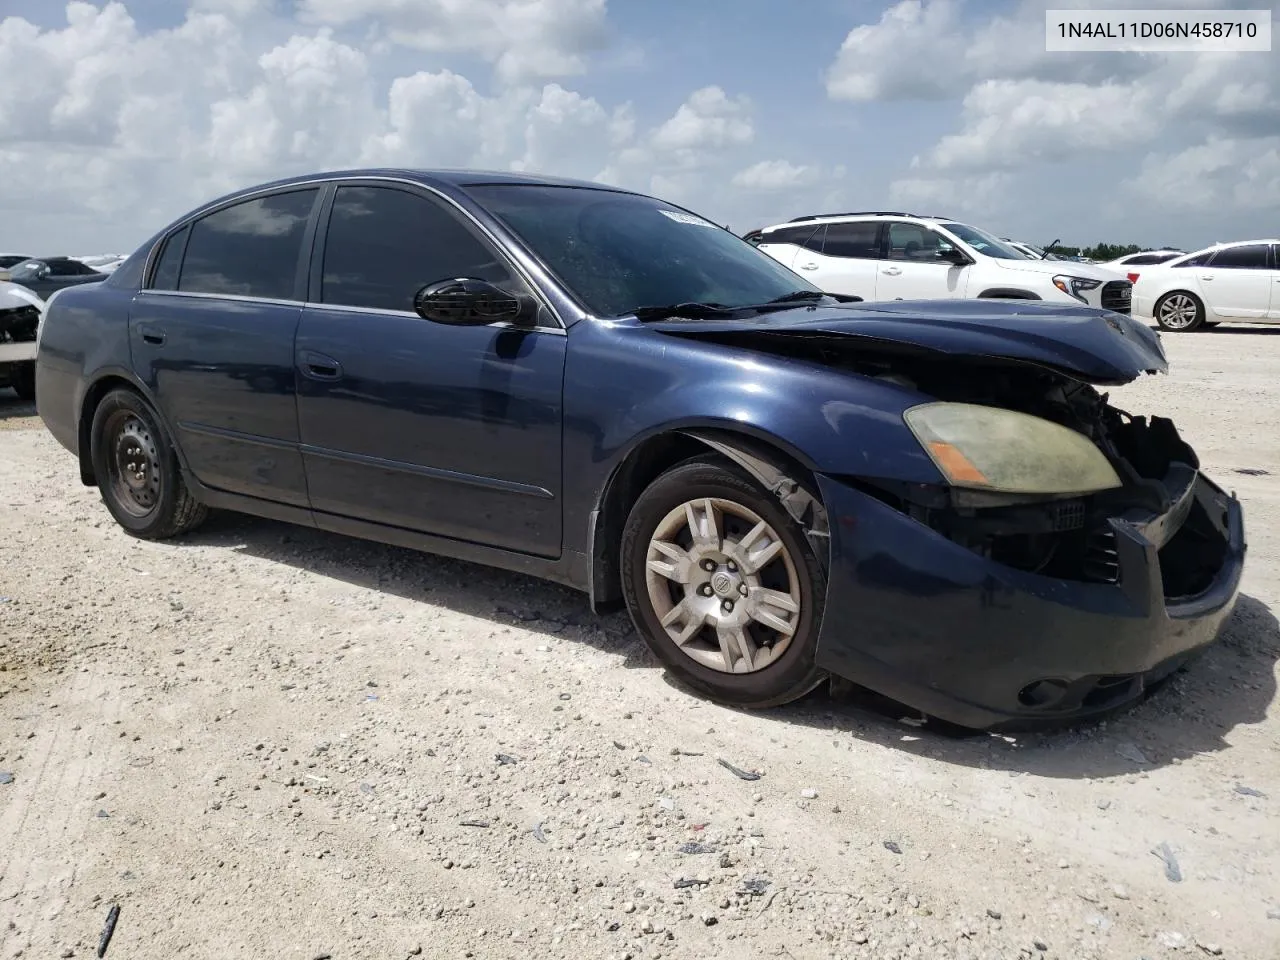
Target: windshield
(619, 252)
(984, 243)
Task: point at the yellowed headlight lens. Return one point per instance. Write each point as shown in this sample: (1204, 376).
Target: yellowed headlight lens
(987, 448)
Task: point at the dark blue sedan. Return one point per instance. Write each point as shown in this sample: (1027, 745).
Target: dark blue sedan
(599, 388)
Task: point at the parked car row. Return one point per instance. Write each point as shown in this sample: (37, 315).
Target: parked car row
(20, 311)
(904, 256)
(879, 256)
(25, 284)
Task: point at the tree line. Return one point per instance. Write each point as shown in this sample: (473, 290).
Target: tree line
(1101, 251)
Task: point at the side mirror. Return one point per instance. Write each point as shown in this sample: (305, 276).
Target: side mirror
(468, 302)
(952, 255)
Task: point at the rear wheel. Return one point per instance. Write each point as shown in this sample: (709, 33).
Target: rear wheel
(723, 586)
(137, 470)
(1179, 312)
(22, 377)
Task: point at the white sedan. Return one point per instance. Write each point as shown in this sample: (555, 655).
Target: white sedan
(1237, 282)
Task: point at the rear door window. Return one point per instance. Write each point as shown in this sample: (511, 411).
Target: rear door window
(251, 249)
(794, 235)
(1252, 256)
(858, 241)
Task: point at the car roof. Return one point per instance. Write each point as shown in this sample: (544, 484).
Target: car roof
(446, 180)
(430, 177)
(1223, 246)
(824, 218)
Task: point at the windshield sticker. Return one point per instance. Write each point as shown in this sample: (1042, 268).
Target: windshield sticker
(688, 218)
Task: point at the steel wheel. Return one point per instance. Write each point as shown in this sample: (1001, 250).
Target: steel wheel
(1179, 311)
(134, 467)
(137, 470)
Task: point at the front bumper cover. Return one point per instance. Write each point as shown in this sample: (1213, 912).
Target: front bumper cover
(923, 620)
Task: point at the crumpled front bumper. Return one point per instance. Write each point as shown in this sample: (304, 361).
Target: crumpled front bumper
(923, 620)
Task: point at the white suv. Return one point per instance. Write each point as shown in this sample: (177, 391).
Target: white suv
(901, 256)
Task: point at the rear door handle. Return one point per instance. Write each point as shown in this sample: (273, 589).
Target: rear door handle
(892, 271)
(808, 266)
(318, 366)
(151, 334)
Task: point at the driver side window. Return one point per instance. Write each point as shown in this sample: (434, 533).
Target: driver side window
(913, 243)
(385, 244)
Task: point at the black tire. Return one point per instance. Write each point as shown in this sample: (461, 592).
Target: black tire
(1195, 302)
(794, 673)
(150, 501)
(22, 377)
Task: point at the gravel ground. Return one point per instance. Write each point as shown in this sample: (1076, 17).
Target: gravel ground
(264, 741)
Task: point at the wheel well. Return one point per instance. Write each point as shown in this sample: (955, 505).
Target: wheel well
(1008, 293)
(88, 407)
(1186, 293)
(656, 456)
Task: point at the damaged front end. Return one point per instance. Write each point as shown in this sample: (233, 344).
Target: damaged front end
(1049, 580)
(1057, 532)
(1069, 555)
(19, 323)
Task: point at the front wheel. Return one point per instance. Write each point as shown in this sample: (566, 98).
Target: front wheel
(723, 586)
(137, 470)
(1179, 312)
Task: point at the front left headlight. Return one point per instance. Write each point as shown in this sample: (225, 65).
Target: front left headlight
(1003, 451)
(1075, 286)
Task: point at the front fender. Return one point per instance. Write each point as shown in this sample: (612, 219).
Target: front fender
(829, 420)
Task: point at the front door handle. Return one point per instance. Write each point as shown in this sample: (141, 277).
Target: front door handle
(318, 366)
(150, 334)
(808, 266)
(892, 271)
(1206, 276)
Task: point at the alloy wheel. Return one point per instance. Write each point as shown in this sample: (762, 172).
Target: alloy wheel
(1178, 311)
(723, 584)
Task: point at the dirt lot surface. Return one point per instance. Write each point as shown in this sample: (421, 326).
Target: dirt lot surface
(267, 742)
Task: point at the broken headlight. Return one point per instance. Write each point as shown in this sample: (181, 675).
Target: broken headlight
(1003, 451)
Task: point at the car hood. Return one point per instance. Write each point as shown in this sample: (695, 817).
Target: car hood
(1054, 268)
(13, 296)
(1083, 343)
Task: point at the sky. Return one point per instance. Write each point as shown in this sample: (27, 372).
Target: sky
(117, 117)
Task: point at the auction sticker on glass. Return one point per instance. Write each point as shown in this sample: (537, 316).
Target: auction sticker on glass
(1157, 31)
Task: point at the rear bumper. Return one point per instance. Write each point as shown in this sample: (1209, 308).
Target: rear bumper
(929, 623)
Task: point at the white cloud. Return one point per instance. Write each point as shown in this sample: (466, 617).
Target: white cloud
(1220, 174)
(709, 120)
(525, 39)
(1021, 112)
(945, 196)
(870, 65)
(775, 175)
(1009, 123)
(112, 130)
